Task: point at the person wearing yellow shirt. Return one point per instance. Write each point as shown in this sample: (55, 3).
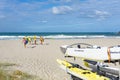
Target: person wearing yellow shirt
(41, 40)
(34, 39)
(29, 39)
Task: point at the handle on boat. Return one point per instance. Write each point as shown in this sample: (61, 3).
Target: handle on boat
(109, 56)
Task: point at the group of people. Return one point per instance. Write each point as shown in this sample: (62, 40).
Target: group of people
(33, 40)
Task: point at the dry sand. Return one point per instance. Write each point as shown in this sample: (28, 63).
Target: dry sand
(40, 60)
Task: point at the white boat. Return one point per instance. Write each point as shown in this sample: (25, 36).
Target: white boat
(101, 68)
(92, 52)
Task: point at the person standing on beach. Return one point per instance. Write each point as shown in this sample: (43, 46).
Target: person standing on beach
(41, 40)
(29, 39)
(25, 41)
(34, 40)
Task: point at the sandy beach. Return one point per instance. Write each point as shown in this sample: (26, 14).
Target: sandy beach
(40, 60)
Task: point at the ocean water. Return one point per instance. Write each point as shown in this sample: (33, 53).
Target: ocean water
(58, 35)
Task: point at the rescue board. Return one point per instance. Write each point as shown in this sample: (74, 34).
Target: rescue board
(79, 72)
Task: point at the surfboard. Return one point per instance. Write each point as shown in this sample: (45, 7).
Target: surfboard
(79, 72)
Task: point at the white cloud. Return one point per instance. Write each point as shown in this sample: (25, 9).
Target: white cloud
(3, 5)
(101, 14)
(43, 21)
(62, 1)
(61, 9)
(91, 16)
(98, 14)
(67, 0)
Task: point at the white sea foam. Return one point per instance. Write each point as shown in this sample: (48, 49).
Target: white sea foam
(74, 37)
(10, 37)
(59, 37)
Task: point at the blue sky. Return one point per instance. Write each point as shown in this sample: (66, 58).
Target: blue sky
(59, 15)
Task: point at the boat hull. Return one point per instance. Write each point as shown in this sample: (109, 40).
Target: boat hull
(94, 54)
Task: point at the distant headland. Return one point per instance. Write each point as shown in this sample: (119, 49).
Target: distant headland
(118, 32)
